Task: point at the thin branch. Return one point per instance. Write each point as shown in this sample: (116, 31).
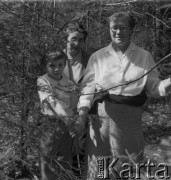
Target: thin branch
(122, 3)
(8, 11)
(157, 19)
(99, 24)
(39, 14)
(167, 10)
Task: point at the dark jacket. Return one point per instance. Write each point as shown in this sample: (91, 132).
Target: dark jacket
(84, 62)
(85, 58)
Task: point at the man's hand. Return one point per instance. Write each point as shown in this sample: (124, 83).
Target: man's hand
(80, 124)
(78, 127)
(83, 111)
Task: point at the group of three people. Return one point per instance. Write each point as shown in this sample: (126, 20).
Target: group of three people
(117, 131)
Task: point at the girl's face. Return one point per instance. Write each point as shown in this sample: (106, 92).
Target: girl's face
(55, 68)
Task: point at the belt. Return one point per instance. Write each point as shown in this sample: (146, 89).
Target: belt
(137, 100)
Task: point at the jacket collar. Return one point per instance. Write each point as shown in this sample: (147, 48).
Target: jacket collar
(84, 57)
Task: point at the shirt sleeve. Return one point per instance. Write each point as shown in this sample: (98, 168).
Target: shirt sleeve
(51, 104)
(43, 89)
(154, 85)
(87, 93)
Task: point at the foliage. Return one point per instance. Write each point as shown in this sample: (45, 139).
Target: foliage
(28, 29)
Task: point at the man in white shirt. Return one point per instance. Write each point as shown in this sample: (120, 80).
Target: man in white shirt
(118, 132)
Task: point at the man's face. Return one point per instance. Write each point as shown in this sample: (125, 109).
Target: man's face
(74, 42)
(120, 31)
(55, 68)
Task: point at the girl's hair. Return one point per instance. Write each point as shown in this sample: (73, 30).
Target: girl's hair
(56, 55)
(128, 15)
(52, 55)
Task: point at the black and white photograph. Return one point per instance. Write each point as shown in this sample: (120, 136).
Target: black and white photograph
(85, 89)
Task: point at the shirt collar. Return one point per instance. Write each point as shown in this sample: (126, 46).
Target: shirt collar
(110, 49)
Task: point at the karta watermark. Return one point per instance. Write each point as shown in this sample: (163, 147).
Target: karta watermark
(108, 165)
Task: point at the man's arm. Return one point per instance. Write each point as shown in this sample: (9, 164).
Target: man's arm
(155, 86)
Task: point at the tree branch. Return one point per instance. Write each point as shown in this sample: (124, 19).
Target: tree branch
(158, 19)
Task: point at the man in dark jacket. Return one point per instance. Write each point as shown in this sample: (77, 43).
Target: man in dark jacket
(74, 37)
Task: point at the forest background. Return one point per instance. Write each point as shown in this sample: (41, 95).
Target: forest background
(28, 29)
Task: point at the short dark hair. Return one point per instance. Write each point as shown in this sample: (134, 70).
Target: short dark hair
(55, 55)
(74, 26)
(51, 55)
(129, 15)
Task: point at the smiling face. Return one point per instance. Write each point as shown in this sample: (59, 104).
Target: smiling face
(55, 68)
(120, 32)
(75, 41)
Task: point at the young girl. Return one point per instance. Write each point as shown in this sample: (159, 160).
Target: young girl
(58, 104)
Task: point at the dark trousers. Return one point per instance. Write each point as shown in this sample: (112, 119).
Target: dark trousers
(79, 157)
(56, 151)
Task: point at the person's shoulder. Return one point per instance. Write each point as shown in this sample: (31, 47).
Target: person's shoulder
(85, 53)
(99, 51)
(41, 80)
(85, 57)
(102, 50)
(140, 49)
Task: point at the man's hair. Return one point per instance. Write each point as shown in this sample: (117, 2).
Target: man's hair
(128, 15)
(74, 26)
(51, 55)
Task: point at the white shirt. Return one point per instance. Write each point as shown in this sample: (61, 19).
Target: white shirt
(54, 92)
(105, 70)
